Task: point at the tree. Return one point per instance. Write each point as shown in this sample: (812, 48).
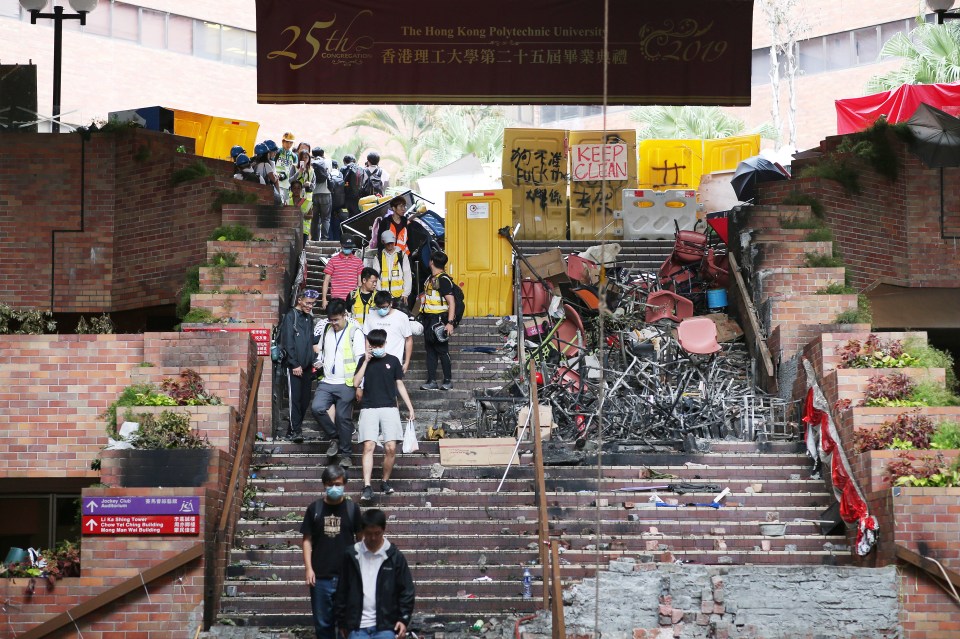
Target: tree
(930, 53)
(786, 26)
(406, 130)
(700, 122)
(354, 146)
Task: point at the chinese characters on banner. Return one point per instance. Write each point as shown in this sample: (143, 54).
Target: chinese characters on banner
(498, 52)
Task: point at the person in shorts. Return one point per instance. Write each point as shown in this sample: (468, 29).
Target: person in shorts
(381, 377)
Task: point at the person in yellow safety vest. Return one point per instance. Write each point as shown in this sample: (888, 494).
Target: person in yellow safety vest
(341, 344)
(437, 312)
(393, 268)
(304, 202)
(360, 301)
(286, 161)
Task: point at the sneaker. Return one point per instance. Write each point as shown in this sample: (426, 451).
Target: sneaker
(430, 386)
(367, 495)
(386, 488)
(297, 438)
(334, 449)
(345, 462)
(446, 386)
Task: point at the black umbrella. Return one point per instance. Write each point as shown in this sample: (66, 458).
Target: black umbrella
(936, 137)
(751, 172)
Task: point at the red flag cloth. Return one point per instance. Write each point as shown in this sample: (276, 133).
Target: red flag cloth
(856, 114)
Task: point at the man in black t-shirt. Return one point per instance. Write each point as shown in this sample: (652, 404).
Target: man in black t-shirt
(381, 376)
(329, 527)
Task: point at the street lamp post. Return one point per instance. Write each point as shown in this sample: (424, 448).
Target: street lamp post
(942, 9)
(35, 7)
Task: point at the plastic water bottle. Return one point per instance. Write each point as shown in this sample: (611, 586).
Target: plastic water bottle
(527, 584)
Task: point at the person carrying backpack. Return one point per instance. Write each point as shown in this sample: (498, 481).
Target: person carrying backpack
(375, 179)
(352, 179)
(440, 313)
(330, 525)
(322, 197)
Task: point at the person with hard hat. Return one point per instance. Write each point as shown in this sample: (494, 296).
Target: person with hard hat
(245, 170)
(286, 162)
(393, 268)
(263, 165)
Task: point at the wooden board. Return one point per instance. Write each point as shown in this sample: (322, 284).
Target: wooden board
(491, 451)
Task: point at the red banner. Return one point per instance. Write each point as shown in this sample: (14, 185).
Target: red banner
(532, 52)
(141, 525)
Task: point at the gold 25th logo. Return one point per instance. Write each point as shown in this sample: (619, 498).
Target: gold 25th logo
(337, 42)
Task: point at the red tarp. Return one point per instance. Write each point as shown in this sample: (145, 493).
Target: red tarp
(856, 114)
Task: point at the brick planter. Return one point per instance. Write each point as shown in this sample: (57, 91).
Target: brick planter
(217, 423)
(851, 383)
(163, 468)
(872, 417)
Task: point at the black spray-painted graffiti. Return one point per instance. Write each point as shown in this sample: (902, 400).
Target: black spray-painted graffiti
(541, 169)
(596, 195)
(666, 171)
(543, 197)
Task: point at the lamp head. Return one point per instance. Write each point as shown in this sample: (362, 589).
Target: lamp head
(83, 6)
(34, 5)
(939, 5)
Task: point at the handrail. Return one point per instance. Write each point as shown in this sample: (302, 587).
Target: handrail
(948, 579)
(140, 580)
(751, 327)
(234, 484)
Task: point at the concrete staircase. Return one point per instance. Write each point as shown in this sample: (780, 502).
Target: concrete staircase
(456, 528)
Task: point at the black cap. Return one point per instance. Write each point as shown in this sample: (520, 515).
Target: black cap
(347, 242)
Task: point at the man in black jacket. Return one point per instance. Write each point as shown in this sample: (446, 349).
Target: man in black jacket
(297, 339)
(375, 594)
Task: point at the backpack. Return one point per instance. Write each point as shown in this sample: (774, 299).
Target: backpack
(320, 169)
(352, 177)
(352, 508)
(337, 193)
(460, 305)
(372, 182)
(250, 176)
(277, 354)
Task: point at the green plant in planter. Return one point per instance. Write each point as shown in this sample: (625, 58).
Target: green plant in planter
(836, 288)
(819, 260)
(930, 357)
(875, 353)
(837, 169)
(819, 234)
(102, 325)
(188, 390)
(190, 172)
(946, 436)
(862, 315)
(930, 393)
(228, 196)
(129, 396)
(231, 233)
(798, 223)
(191, 285)
(28, 321)
(200, 316)
(932, 472)
(167, 430)
(797, 198)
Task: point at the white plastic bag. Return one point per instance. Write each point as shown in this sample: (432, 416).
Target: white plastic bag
(410, 444)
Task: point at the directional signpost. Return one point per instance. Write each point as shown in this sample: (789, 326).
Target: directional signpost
(141, 515)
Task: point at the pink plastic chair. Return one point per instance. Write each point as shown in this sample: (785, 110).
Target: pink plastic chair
(698, 336)
(667, 305)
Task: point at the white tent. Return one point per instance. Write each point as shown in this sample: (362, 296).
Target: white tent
(466, 174)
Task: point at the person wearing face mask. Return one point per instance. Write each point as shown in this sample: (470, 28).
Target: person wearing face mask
(330, 526)
(375, 593)
(381, 376)
(396, 324)
(393, 268)
(342, 273)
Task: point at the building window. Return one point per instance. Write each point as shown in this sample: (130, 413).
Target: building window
(812, 56)
(234, 42)
(251, 49)
(180, 34)
(10, 8)
(839, 51)
(39, 521)
(98, 20)
(153, 29)
(206, 40)
(126, 22)
(867, 45)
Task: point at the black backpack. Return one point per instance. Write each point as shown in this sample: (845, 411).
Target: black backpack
(249, 176)
(320, 169)
(337, 194)
(372, 182)
(460, 305)
(352, 177)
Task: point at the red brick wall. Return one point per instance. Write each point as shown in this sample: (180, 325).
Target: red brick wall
(58, 386)
(891, 230)
(139, 232)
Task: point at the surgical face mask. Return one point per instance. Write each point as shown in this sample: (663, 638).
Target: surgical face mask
(379, 352)
(334, 492)
(383, 312)
(346, 251)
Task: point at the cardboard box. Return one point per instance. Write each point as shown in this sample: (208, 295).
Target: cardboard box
(546, 423)
(550, 266)
(493, 451)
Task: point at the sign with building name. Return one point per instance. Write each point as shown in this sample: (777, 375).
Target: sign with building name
(141, 525)
(123, 505)
(504, 52)
(589, 162)
(260, 335)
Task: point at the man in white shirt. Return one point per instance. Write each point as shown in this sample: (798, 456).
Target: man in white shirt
(395, 323)
(375, 593)
(341, 345)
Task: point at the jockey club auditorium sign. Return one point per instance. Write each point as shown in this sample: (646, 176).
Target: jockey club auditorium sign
(499, 52)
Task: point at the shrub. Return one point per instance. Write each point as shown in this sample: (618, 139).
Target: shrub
(167, 430)
(905, 431)
(231, 233)
(874, 353)
(931, 471)
(946, 436)
(863, 314)
(190, 172)
(818, 260)
(836, 169)
(223, 259)
(798, 223)
(930, 393)
(188, 389)
(820, 234)
(200, 316)
(836, 288)
(930, 357)
(128, 397)
(234, 196)
(803, 199)
(62, 561)
(102, 325)
(28, 321)
(885, 390)
(191, 285)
